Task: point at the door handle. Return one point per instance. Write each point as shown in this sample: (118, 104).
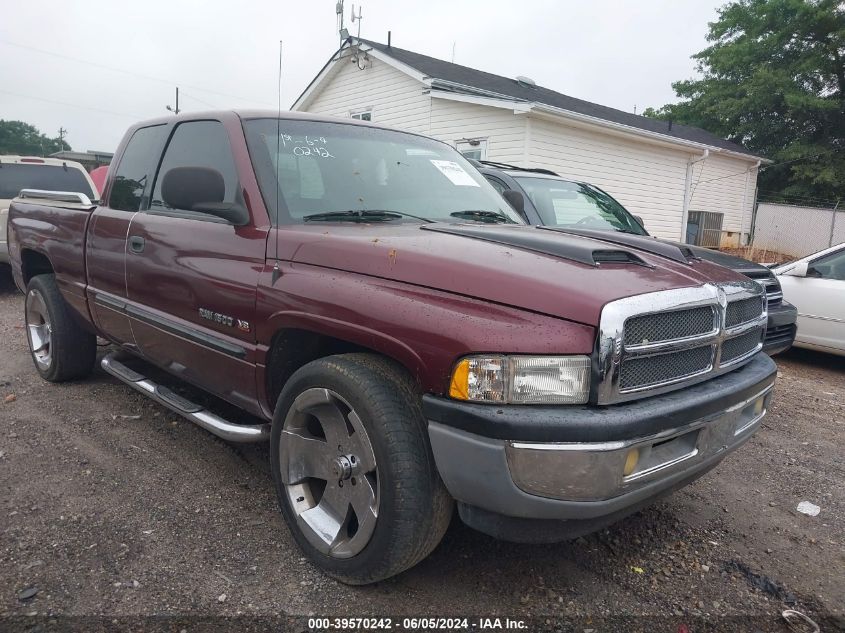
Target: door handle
(136, 243)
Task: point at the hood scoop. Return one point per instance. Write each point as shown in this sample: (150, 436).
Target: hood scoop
(574, 248)
(645, 243)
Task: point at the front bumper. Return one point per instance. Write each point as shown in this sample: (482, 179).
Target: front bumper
(780, 328)
(567, 463)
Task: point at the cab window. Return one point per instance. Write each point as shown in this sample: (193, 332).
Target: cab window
(136, 168)
(198, 144)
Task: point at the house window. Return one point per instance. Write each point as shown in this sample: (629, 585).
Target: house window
(362, 115)
(474, 148)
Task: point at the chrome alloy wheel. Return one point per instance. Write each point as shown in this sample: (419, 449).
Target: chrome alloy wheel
(329, 471)
(39, 330)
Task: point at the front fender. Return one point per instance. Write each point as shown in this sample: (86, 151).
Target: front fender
(425, 330)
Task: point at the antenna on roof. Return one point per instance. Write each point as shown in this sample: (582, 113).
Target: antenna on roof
(342, 32)
(357, 18)
(276, 270)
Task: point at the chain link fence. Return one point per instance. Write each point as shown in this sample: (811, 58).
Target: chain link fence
(787, 231)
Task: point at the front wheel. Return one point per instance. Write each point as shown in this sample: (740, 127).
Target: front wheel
(60, 348)
(353, 468)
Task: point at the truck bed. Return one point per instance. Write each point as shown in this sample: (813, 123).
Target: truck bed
(54, 230)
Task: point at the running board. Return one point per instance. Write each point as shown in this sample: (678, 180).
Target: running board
(184, 407)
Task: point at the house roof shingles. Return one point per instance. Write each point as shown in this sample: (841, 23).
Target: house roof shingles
(488, 82)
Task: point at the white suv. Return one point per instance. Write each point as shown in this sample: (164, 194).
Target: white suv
(31, 172)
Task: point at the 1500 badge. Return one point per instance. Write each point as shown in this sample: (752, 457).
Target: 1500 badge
(223, 319)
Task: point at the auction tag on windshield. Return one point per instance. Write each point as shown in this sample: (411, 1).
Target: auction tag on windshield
(455, 173)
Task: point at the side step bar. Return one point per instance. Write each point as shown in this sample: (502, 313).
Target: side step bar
(194, 412)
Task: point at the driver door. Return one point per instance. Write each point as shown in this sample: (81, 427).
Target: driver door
(192, 276)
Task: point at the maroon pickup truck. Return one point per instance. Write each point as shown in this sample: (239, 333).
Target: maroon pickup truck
(369, 304)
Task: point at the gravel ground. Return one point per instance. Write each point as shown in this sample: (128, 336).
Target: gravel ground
(113, 507)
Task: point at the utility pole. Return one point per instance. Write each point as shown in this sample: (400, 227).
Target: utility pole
(62, 133)
(176, 109)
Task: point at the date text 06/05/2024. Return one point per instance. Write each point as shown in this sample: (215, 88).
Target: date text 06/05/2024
(415, 624)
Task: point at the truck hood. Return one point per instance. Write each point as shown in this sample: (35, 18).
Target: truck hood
(566, 276)
(672, 249)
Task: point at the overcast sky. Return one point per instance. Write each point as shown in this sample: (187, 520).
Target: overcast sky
(96, 66)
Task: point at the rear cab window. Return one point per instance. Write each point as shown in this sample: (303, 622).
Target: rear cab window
(132, 179)
(17, 176)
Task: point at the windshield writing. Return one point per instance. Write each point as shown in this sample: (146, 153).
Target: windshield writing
(316, 168)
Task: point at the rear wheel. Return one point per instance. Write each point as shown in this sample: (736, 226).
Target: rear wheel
(60, 348)
(353, 468)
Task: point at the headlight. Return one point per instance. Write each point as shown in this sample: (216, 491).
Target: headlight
(522, 379)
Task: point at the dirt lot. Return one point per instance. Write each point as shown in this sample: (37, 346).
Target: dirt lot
(111, 506)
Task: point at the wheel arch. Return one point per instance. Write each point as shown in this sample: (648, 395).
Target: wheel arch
(34, 262)
(300, 339)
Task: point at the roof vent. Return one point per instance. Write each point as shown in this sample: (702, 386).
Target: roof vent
(526, 81)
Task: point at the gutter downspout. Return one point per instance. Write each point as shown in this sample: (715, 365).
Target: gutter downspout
(688, 194)
(745, 203)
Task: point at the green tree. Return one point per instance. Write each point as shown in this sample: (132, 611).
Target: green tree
(17, 137)
(773, 80)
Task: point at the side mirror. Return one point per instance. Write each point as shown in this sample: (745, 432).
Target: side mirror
(515, 199)
(233, 212)
(798, 270)
(639, 219)
(200, 189)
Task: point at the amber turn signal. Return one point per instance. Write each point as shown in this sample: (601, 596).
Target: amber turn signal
(459, 387)
(631, 461)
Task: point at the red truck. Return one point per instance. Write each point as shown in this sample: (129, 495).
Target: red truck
(373, 307)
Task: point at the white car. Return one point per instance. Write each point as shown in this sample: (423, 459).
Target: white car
(32, 172)
(816, 286)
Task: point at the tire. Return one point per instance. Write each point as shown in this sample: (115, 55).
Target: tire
(61, 350)
(379, 404)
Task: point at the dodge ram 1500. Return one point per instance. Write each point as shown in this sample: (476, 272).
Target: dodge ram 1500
(371, 306)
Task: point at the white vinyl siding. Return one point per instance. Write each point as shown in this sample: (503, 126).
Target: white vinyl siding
(395, 99)
(647, 179)
(503, 130)
(719, 186)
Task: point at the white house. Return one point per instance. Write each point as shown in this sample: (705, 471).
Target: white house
(670, 175)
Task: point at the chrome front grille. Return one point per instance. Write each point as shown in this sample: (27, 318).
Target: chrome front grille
(743, 311)
(665, 340)
(739, 347)
(668, 326)
(646, 371)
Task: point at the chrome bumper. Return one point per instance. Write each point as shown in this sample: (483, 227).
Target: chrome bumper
(598, 471)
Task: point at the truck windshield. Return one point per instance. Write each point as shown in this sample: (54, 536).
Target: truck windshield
(577, 205)
(331, 171)
(17, 176)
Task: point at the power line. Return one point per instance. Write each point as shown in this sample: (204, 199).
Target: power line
(127, 72)
(195, 98)
(126, 115)
(763, 167)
